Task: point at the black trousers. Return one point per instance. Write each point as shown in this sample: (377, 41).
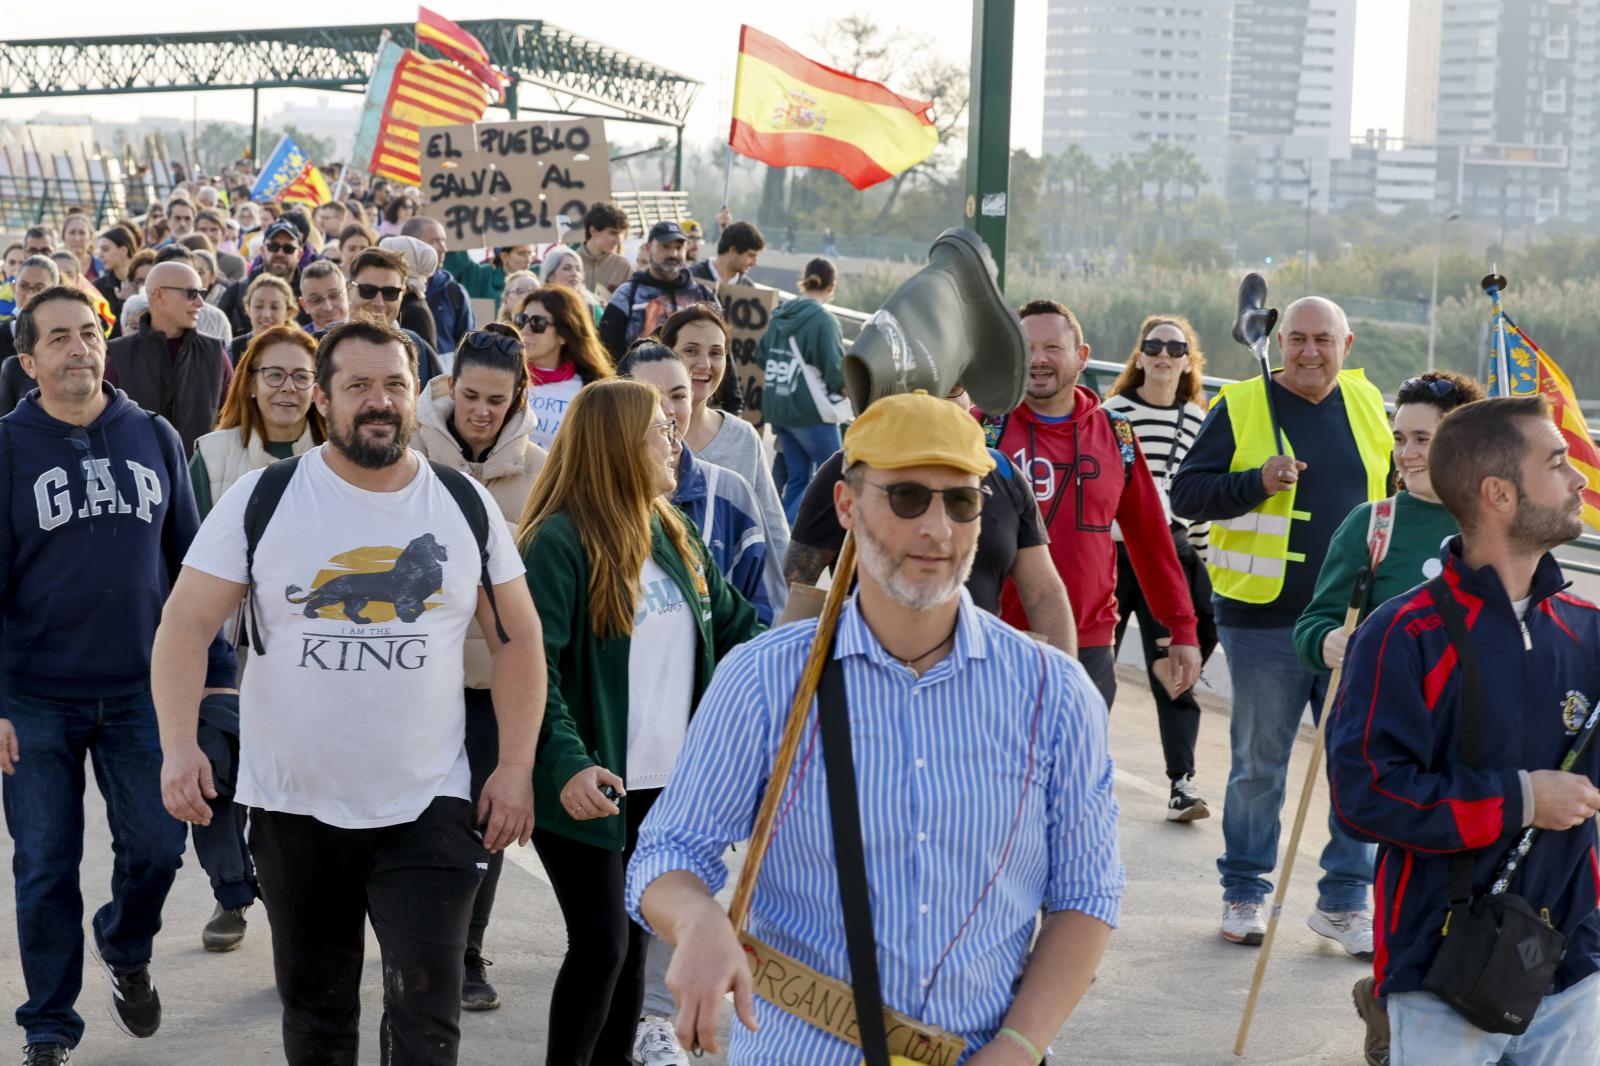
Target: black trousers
(416, 882)
(1100, 663)
(594, 1007)
(483, 755)
(1177, 719)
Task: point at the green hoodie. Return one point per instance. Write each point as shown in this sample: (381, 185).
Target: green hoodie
(785, 397)
(586, 710)
(483, 281)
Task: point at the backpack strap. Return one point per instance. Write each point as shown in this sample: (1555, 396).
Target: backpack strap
(466, 496)
(1380, 531)
(1122, 431)
(994, 427)
(258, 510)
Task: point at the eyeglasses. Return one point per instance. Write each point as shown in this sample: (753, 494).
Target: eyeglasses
(1176, 349)
(283, 249)
(667, 428)
(194, 296)
(1438, 388)
(531, 322)
(391, 293)
(274, 377)
(318, 299)
(910, 499)
(484, 341)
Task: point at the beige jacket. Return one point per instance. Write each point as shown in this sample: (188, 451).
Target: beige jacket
(512, 466)
(603, 273)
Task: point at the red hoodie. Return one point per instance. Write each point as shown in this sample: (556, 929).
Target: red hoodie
(1077, 465)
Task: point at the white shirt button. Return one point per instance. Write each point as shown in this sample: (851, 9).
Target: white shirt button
(921, 837)
(922, 909)
(921, 763)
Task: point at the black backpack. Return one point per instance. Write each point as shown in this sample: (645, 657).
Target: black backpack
(275, 480)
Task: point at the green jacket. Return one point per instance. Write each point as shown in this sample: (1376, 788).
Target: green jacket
(785, 397)
(586, 712)
(1420, 530)
(483, 281)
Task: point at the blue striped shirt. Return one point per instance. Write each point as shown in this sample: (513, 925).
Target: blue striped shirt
(941, 763)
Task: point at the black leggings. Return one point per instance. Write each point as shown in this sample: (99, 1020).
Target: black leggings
(594, 1007)
(483, 755)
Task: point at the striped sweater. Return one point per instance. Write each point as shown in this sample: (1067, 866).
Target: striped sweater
(1165, 436)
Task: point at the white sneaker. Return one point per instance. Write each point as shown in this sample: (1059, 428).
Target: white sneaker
(1242, 922)
(655, 1043)
(1352, 929)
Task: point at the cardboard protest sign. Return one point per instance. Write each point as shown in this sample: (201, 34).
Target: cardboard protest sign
(497, 183)
(748, 309)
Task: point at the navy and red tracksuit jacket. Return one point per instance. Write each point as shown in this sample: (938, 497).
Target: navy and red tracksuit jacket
(1396, 775)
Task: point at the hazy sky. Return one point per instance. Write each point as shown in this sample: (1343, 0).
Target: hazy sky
(702, 45)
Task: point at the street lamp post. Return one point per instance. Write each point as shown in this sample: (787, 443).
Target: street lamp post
(1433, 300)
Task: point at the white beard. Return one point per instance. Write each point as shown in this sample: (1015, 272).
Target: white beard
(874, 558)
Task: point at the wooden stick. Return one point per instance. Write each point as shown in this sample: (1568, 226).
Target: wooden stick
(844, 570)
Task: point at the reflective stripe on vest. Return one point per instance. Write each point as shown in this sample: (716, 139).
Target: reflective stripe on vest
(1248, 554)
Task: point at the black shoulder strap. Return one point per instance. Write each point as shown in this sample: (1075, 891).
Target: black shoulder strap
(258, 511)
(477, 516)
(1455, 624)
(850, 857)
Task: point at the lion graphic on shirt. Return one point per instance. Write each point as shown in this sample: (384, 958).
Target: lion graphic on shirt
(417, 574)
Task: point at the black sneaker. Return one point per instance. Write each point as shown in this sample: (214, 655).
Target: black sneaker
(135, 1004)
(1186, 804)
(476, 991)
(225, 930)
(45, 1055)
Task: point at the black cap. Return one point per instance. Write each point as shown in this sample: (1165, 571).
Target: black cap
(282, 226)
(663, 232)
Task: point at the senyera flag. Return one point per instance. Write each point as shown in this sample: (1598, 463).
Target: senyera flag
(1521, 368)
(790, 111)
(455, 43)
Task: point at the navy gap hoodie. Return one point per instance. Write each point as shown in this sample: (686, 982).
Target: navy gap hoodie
(98, 520)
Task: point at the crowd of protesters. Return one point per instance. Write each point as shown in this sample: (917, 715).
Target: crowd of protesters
(517, 557)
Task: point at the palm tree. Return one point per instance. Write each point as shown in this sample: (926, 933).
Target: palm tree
(1161, 165)
(1122, 180)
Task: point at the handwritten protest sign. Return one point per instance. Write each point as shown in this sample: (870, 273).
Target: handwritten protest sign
(497, 183)
(748, 309)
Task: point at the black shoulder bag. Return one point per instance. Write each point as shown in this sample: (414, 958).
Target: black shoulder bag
(1497, 956)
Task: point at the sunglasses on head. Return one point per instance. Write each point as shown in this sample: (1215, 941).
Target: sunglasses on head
(531, 322)
(283, 249)
(192, 295)
(391, 293)
(1438, 388)
(1176, 349)
(484, 341)
(910, 499)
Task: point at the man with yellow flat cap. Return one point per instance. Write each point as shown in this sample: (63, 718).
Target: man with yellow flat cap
(981, 773)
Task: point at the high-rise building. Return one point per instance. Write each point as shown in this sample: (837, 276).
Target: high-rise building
(1422, 70)
(1120, 76)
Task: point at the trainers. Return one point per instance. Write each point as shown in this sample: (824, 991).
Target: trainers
(225, 929)
(1186, 804)
(655, 1043)
(476, 991)
(135, 1004)
(1376, 1047)
(1352, 929)
(45, 1055)
(1242, 922)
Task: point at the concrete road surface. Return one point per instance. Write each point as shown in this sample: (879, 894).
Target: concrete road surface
(1170, 990)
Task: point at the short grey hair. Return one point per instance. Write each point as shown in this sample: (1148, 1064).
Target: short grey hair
(46, 263)
(321, 268)
(1316, 301)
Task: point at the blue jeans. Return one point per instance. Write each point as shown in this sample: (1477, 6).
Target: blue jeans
(1270, 691)
(1424, 1031)
(804, 449)
(44, 814)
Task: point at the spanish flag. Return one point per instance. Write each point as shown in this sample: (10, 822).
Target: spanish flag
(407, 91)
(790, 111)
(455, 43)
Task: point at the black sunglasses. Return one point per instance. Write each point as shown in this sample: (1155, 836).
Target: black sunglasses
(283, 249)
(910, 499)
(1438, 388)
(1176, 349)
(391, 293)
(192, 295)
(531, 322)
(484, 341)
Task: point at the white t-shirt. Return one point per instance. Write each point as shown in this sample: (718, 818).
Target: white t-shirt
(549, 404)
(661, 660)
(354, 714)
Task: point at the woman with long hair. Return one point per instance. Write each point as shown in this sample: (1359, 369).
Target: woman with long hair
(563, 352)
(476, 420)
(77, 234)
(268, 302)
(1161, 391)
(115, 248)
(636, 617)
(353, 240)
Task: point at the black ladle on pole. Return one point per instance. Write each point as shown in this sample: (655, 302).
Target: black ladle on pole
(1253, 329)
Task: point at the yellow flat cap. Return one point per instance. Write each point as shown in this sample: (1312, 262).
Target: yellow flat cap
(915, 429)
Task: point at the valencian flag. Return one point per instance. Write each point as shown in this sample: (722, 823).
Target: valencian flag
(455, 43)
(308, 187)
(407, 91)
(790, 111)
(1520, 368)
(286, 166)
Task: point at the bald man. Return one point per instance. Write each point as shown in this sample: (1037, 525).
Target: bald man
(169, 367)
(1272, 517)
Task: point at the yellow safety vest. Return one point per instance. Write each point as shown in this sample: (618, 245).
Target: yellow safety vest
(1248, 555)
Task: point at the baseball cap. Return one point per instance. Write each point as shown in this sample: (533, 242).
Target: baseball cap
(281, 226)
(662, 232)
(693, 228)
(916, 429)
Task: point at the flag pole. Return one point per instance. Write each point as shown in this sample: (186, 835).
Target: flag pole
(727, 177)
(1495, 284)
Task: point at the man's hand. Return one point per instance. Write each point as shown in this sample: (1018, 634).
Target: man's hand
(1333, 647)
(1185, 660)
(1280, 473)
(10, 751)
(724, 218)
(1562, 800)
(186, 784)
(707, 963)
(582, 798)
(505, 807)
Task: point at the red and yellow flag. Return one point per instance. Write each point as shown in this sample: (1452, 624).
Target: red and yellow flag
(422, 92)
(455, 43)
(308, 187)
(790, 111)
